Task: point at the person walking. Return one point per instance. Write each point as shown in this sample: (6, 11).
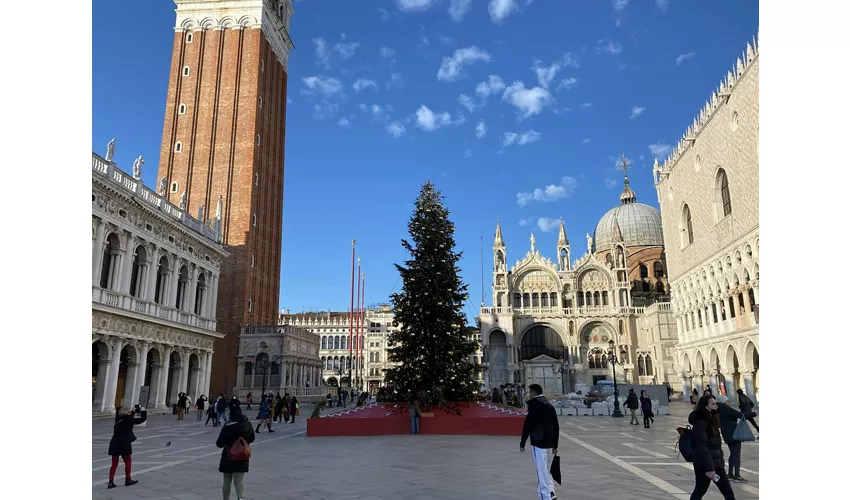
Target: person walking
(707, 450)
(220, 407)
(234, 470)
(287, 399)
(632, 405)
(264, 416)
(278, 408)
(249, 399)
(181, 405)
(729, 417)
(121, 443)
(293, 408)
(646, 409)
(345, 399)
(694, 396)
(201, 404)
(746, 405)
(669, 392)
(211, 415)
(415, 415)
(541, 424)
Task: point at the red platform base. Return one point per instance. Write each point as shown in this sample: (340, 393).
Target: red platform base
(374, 419)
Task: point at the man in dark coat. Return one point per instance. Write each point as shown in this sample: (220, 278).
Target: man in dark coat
(220, 407)
(728, 422)
(201, 405)
(632, 405)
(234, 471)
(541, 424)
(121, 443)
(181, 405)
(746, 404)
(707, 450)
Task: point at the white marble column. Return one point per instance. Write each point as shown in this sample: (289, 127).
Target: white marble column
(212, 297)
(201, 386)
(127, 265)
(103, 370)
(208, 372)
(139, 379)
(184, 372)
(97, 252)
(192, 286)
(283, 372)
(112, 377)
(172, 286)
(749, 385)
(240, 373)
(150, 276)
(164, 375)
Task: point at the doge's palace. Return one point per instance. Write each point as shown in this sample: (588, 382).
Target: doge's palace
(708, 189)
(155, 273)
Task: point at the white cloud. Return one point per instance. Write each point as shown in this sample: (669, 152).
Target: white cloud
(500, 9)
(610, 183)
(570, 60)
(346, 49)
(387, 53)
(429, 121)
(344, 123)
(549, 193)
(396, 81)
(414, 5)
(493, 85)
(637, 111)
(385, 14)
(567, 84)
(545, 75)
(467, 102)
(325, 109)
(585, 105)
(585, 141)
(376, 110)
(467, 153)
(660, 150)
(662, 5)
(529, 102)
(620, 5)
(526, 222)
(451, 68)
(459, 8)
(547, 224)
(684, 57)
(480, 130)
(609, 46)
(323, 85)
(520, 139)
(423, 42)
(363, 83)
(396, 129)
(322, 55)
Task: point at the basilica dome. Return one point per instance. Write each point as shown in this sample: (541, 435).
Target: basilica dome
(639, 224)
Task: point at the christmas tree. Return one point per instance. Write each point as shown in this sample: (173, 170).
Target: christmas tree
(432, 347)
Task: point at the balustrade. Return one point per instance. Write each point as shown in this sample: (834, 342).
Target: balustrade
(136, 305)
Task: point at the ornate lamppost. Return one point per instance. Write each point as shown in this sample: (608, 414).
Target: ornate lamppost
(561, 368)
(612, 357)
(262, 368)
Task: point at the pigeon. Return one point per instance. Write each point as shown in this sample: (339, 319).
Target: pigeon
(168, 443)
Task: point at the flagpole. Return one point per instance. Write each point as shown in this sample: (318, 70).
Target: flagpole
(362, 327)
(356, 327)
(350, 313)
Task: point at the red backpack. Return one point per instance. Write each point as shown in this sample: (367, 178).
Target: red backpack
(240, 451)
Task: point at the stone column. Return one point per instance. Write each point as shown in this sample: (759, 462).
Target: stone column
(150, 276)
(212, 296)
(729, 379)
(283, 373)
(97, 252)
(190, 293)
(127, 265)
(164, 375)
(184, 372)
(749, 385)
(202, 373)
(240, 373)
(140, 375)
(171, 296)
(103, 370)
(112, 377)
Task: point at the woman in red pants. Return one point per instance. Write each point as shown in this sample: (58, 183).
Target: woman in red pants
(120, 444)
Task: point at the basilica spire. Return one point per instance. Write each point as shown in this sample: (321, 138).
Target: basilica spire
(498, 241)
(627, 196)
(562, 234)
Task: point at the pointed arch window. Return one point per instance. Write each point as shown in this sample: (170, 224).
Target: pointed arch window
(723, 199)
(687, 227)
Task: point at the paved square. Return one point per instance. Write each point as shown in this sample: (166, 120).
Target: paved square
(602, 458)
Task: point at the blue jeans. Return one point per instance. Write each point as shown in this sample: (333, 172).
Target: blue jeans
(218, 418)
(414, 424)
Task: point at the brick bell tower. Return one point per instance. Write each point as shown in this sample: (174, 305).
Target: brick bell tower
(223, 147)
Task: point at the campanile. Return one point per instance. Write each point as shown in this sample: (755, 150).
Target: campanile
(223, 145)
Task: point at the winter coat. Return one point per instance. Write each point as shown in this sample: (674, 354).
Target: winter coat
(415, 411)
(228, 435)
(264, 411)
(646, 405)
(632, 401)
(122, 435)
(745, 403)
(707, 446)
(541, 424)
(220, 405)
(181, 401)
(201, 402)
(728, 421)
(293, 405)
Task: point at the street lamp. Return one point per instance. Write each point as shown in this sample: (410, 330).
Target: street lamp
(561, 369)
(612, 356)
(262, 367)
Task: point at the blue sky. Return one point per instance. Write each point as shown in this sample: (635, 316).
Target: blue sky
(386, 94)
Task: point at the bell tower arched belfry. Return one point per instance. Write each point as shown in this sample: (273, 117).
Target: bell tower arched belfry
(500, 269)
(563, 249)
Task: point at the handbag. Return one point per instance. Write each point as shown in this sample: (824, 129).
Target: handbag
(742, 432)
(239, 451)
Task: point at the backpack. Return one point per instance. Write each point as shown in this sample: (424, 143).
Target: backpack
(239, 451)
(684, 446)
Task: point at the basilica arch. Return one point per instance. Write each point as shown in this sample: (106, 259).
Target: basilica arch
(591, 359)
(541, 348)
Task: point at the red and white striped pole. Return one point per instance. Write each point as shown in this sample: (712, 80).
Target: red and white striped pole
(350, 313)
(362, 324)
(356, 328)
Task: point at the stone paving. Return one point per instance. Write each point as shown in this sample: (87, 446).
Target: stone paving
(601, 458)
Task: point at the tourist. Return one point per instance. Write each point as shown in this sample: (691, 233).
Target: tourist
(249, 399)
(694, 396)
(278, 408)
(287, 399)
(234, 470)
(220, 407)
(541, 424)
(746, 405)
(211, 415)
(729, 417)
(344, 399)
(264, 416)
(121, 443)
(293, 408)
(707, 450)
(669, 392)
(632, 405)
(646, 409)
(181, 405)
(415, 415)
(200, 406)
